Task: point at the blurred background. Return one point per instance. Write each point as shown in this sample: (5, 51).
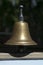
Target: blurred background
(33, 14)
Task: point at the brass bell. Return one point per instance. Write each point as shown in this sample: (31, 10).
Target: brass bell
(21, 34)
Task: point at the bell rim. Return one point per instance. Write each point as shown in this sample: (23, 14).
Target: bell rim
(21, 43)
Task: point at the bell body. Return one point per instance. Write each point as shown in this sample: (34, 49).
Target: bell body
(21, 35)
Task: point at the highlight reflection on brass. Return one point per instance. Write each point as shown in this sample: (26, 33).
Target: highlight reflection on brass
(21, 35)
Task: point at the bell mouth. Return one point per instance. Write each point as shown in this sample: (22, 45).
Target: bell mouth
(20, 51)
